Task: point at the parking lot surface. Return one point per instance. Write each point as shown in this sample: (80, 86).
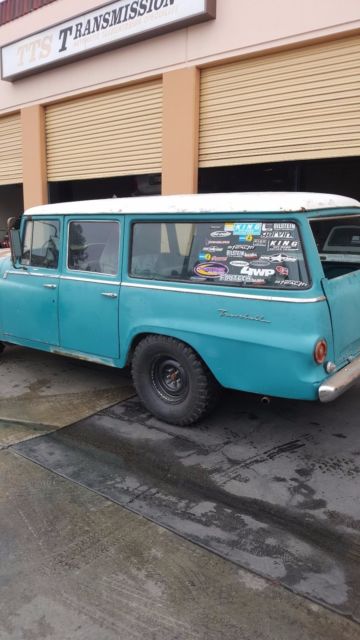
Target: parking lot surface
(271, 488)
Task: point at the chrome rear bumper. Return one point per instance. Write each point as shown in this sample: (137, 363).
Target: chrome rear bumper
(340, 381)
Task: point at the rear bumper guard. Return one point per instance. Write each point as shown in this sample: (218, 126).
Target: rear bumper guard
(337, 384)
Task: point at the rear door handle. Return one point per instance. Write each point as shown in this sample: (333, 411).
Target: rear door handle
(109, 295)
(50, 286)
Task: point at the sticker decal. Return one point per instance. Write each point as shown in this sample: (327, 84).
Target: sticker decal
(288, 226)
(283, 245)
(205, 257)
(210, 270)
(239, 263)
(220, 234)
(280, 257)
(247, 229)
(278, 234)
(212, 249)
(210, 241)
(283, 271)
(291, 283)
(260, 272)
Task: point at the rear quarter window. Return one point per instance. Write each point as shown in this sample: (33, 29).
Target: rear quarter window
(242, 254)
(338, 243)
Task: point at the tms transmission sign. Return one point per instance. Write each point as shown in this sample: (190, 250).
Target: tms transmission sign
(110, 26)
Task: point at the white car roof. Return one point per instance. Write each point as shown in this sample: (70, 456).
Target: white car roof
(243, 202)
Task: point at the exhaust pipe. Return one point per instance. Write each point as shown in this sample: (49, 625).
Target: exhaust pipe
(265, 400)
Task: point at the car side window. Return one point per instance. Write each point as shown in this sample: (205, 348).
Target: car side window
(243, 254)
(94, 246)
(41, 244)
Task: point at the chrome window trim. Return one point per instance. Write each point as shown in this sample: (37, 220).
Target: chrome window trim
(225, 294)
(79, 279)
(31, 273)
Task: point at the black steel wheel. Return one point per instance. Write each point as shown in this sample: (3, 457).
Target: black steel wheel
(172, 381)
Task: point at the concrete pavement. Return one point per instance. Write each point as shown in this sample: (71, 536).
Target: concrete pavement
(76, 565)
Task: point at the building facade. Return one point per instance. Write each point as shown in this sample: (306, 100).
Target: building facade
(177, 96)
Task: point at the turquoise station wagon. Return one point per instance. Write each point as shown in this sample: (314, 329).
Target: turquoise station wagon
(258, 292)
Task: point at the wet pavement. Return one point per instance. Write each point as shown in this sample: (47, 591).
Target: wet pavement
(272, 488)
(269, 494)
(75, 566)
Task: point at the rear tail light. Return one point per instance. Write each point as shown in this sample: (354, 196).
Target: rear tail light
(320, 351)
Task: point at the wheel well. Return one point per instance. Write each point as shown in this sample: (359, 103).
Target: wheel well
(134, 344)
(140, 336)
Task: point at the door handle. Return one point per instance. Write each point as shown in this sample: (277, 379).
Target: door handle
(109, 295)
(50, 286)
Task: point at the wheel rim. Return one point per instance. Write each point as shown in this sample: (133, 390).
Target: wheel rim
(169, 379)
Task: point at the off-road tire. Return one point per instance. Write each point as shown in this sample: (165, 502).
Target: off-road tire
(172, 381)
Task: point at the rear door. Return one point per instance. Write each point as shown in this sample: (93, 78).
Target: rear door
(90, 288)
(343, 295)
(338, 241)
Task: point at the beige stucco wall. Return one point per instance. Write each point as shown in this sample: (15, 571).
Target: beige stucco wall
(242, 27)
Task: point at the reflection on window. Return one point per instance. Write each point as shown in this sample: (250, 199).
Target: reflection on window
(94, 246)
(41, 244)
(246, 254)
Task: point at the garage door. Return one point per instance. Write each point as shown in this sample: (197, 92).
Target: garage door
(109, 134)
(292, 105)
(11, 150)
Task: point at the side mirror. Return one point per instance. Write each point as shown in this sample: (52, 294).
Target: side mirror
(15, 245)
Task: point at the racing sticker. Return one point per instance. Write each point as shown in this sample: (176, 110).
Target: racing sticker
(238, 263)
(212, 241)
(283, 245)
(258, 268)
(245, 229)
(285, 225)
(213, 249)
(205, 257)
(231, 277)
(291, 283)
(281, 235)
(279, 257)
(210, 270)
(282, 271)
(220, 234)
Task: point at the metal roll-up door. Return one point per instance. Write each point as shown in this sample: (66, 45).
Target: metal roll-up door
(11, 150)
(109, 134)
(292, 105)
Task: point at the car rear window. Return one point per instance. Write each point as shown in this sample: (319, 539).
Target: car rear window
(242, 254)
